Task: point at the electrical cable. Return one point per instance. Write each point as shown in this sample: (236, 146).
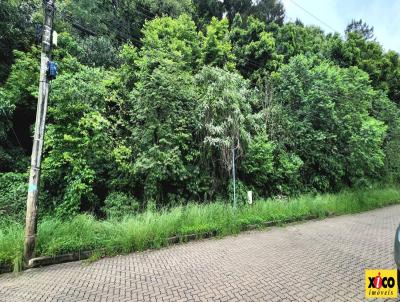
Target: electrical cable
(315, 17)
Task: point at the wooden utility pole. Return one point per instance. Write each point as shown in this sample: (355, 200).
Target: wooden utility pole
(234, 176)
(34, 177)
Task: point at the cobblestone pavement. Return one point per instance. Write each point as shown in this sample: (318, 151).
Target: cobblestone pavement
(314, 261)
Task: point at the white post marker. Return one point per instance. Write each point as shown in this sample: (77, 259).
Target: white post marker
(250, 197)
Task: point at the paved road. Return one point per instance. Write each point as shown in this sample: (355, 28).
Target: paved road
(313, 261)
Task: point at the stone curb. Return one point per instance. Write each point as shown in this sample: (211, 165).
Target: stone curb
(5, 268)
(50, 260)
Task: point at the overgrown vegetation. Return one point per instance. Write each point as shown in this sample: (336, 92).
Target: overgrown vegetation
(151, 98)
(152, 229)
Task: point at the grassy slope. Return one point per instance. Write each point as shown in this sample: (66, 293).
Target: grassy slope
(149, 230)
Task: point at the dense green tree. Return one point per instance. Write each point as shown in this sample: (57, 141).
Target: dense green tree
(361, 28)
(233, 7)
(78, 142)
(120, 20)
(387, 111)
(270, 169)
(13, 198)
(161, 103)
(17, 109)
(216, 46)
(254, 48)
(391, 73)
(269, 11)
(266, 10)
(369, 56)
(17, 28)
(98, 51)
(169, 39)
(295, 39)
(331, 125)
(225, 120)
(206, 9)
(163, 131)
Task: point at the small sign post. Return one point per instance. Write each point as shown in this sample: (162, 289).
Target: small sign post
(250, 197)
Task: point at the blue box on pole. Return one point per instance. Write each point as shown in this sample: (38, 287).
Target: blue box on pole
(51, 70)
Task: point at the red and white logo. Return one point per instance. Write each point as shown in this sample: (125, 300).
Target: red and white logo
(378, 281)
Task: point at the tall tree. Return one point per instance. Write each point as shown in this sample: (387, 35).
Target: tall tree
(225, 120)
(206, 9)
(216, 45)
(162, 103)
(17, 28)
(391, 73)
(17, 110)
(233, 7)
(360, 27)
(120, 20)
(269, 11)
(367, 55)
(266, 10)
(254, 48)
(331, 126)
(77, 155)
(294, 39)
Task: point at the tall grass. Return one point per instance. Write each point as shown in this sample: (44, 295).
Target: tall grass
(151, 229)
(11, 245)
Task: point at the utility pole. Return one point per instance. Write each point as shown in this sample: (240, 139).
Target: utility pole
(34, 177)
(234, 176)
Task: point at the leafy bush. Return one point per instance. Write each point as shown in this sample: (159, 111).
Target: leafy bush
(241, 192)
(119, 204)
(271, 169)
(98, 51)
(11, 244)
(13, 192)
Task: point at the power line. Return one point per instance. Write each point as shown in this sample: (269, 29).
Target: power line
(314, 16)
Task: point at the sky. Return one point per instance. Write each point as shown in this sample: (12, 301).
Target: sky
(383, 15)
